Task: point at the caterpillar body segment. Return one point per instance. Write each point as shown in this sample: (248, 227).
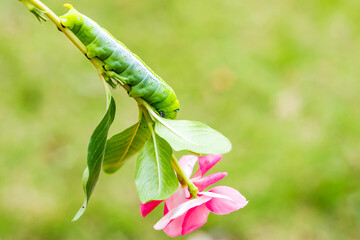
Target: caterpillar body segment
(121, 64)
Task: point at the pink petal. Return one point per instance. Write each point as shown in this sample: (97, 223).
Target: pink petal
(229, 200)
(188, 222)
(204, 182)
(180, 210)
(176, 199)
(166, 210)
(187, 163)
(214, 195)
(187, 193)
(146, 208)
(206, 163)
(195, 218)
(174, 227)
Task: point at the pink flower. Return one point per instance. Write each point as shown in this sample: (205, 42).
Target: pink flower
(182, 214)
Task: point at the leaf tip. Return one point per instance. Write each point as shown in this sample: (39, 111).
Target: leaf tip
(109, 169)
(79, 213)
(229, 145)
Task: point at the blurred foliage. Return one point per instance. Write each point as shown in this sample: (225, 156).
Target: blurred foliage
(279, 78)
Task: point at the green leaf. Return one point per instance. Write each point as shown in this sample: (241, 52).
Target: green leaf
(96, 150)
(122, 146)
(40, 15)
(155, 178)
(192, 136)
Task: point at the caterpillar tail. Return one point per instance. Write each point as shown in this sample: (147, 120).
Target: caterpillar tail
(67, 5)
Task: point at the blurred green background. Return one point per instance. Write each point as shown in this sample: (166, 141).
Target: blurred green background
(279, 78)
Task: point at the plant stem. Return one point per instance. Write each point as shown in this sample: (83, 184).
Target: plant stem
(183, 179)
(178, 173)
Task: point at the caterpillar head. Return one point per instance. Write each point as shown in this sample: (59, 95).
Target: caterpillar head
(72, 19)
(169, 114)
(171, 111)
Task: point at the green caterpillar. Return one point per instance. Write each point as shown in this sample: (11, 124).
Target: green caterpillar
(121, 64)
